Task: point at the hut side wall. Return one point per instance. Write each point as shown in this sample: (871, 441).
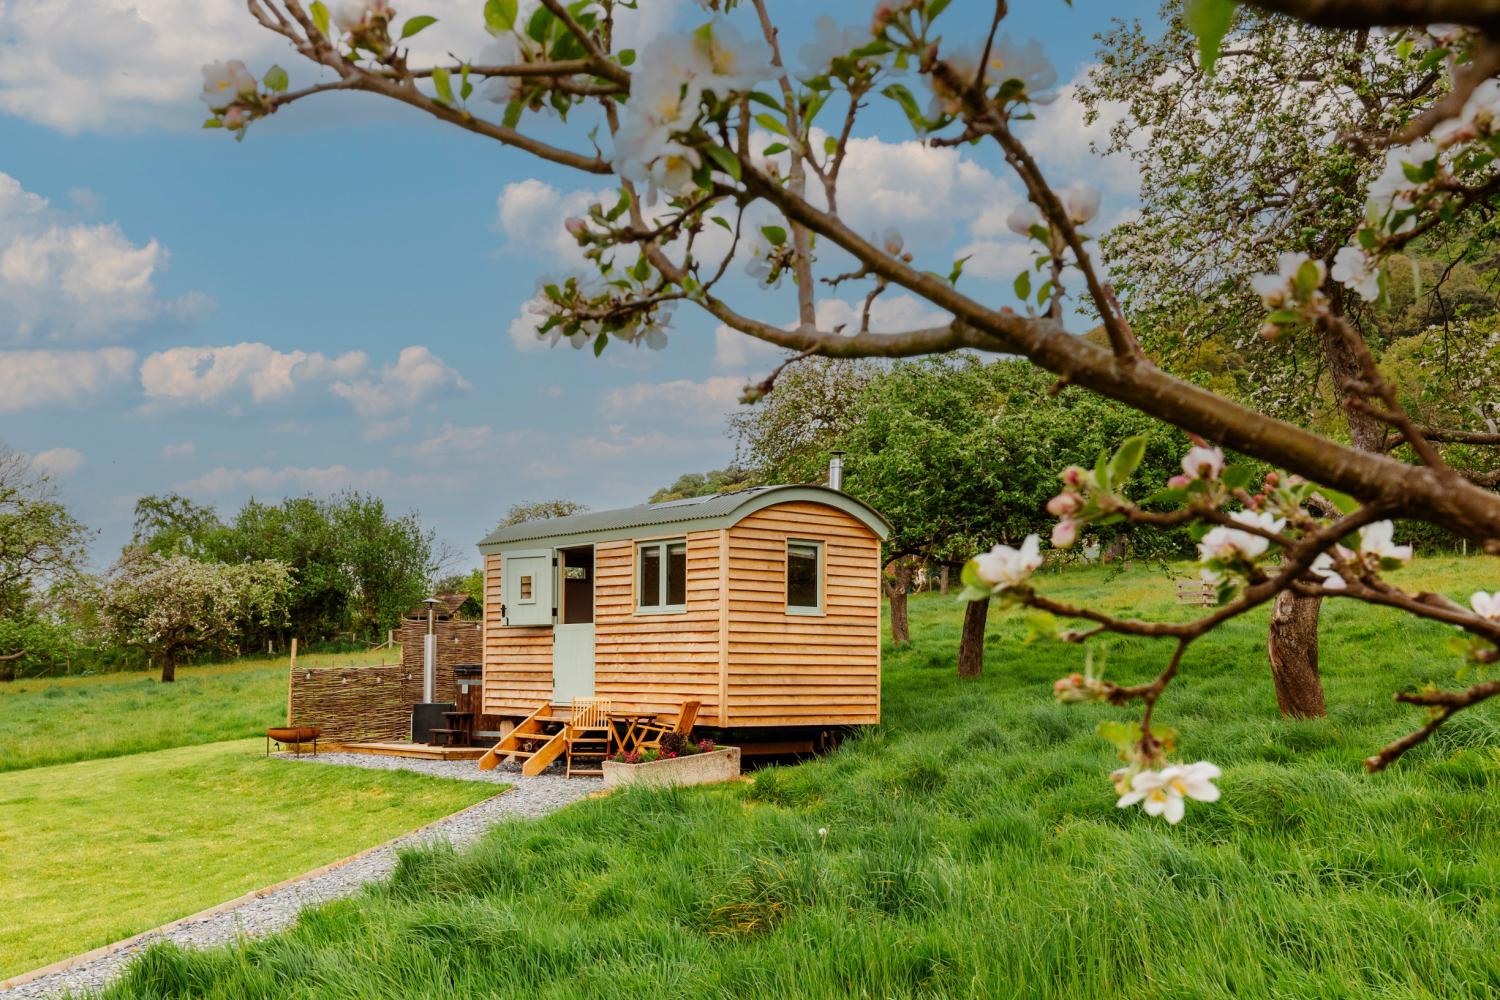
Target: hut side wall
(517, 661)
(655, 662)
(791, 670)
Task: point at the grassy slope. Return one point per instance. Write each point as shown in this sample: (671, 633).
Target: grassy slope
(57, 720)
(974, 850)
(99, 850)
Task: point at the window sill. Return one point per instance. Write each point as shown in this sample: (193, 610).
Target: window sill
(807, 612)
(671, 609)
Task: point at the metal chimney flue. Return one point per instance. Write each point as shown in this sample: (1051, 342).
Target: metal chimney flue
(836, 471)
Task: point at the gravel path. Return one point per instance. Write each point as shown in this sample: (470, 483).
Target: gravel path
(278, 909)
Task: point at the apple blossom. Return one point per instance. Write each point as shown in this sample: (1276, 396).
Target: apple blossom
(734, 63)
(829, 43)
(892, 242)
(1324, 569)
(1080, 201)
(225, 82)
(1224, 542)
(1392, 191)
(1482, 109)
(1004, 567)
(1180, 482)
(1486, 605)
(1203, 462)
(1378, 540)
(1164, 792)
(1354, 269)
(1027, 63)
(1065, 503)
(352, 15)
(1023, 217)
(1064, 533)
(762, 264)
(503, 51)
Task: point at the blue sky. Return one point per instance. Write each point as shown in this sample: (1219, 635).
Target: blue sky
(335, 301)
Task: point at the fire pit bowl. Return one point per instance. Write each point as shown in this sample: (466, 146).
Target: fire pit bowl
(293, 736)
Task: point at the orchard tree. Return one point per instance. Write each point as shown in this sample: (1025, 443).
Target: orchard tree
(540, 510)
(703, 484)
(681, 126)
(787, 436)
(41, 544)
(175, 607)
(1231, 180)
(171, 524)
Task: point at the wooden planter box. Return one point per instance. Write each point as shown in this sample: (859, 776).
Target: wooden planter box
(697, 769)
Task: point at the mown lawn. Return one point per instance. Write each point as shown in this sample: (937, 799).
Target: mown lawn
(974, 850)
(100, 850)
(55, 720)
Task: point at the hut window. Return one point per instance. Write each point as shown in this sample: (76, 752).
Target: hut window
(661, 582)
(804, 577)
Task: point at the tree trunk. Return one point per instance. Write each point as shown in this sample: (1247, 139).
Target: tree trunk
(943, 579)
(900, 619)
(1292, 640)
(1292, 645)
(971, 645)
(168, 668)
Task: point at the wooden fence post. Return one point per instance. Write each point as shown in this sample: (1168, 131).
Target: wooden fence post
(292, 669)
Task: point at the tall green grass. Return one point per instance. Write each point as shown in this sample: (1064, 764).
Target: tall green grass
(62, 719)
(973, 849)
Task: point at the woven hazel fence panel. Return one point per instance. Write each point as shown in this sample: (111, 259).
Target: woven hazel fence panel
(354, 704)
(350, 704)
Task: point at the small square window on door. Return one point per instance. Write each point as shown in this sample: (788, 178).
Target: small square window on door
(804, 577)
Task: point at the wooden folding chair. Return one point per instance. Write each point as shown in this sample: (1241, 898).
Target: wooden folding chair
(652, 732)
(588, 735)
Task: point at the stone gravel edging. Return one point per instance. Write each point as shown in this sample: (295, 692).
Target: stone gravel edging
(275, 908)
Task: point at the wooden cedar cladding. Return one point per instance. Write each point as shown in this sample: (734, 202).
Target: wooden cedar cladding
(655, 662)
(517, 661)
(788, 670)
(735, 649)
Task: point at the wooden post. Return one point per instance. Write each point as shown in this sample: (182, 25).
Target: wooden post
(292, 669)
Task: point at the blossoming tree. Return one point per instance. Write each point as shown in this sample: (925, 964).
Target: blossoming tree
(723, 148)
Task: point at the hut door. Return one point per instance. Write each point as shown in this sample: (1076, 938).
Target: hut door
(573, 636)
(527, 578)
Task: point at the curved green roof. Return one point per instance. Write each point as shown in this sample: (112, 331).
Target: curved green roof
(720, 510)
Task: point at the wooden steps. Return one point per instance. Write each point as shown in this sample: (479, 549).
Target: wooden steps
(537, 741)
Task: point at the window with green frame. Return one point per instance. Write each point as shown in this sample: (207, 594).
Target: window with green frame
(661, 575)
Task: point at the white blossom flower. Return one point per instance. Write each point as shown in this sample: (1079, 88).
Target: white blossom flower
(226, 82)
(1271, 288)
(1027, 63)
(892, 241)
(761, 265)
(1064, 533)
(1023, 217)
(1080, 201)
(503, 51)
(829, 42)
(1004, 567)
(1354, 269)
(1378, 540)
(1224, 542)
(672, 171)
(1165, 792)
(1275, 290)
(1323, 568)
(1203, 462)
(1486, 605)
(734, 63)
(351, 15)
(1392, 190)
(1482, 109)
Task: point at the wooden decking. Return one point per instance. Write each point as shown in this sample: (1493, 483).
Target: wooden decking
(419, 751)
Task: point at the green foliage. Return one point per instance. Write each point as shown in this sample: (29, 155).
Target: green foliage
(959, 454)
(974, 850)
(173, 525)
(702, 484)
(41, 544)
(539, 510)
(786, 437)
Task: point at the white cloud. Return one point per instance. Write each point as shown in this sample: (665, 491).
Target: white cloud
(999, 260)
(531, 214)
(698, 403)
(57, 462)
(181, 449)
(38, 378)
(128, 64)
(741, 351)
(224, 481)
(891, 313)
(1063, 142)
(181, 376)
(61, 279)
(417, 376)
